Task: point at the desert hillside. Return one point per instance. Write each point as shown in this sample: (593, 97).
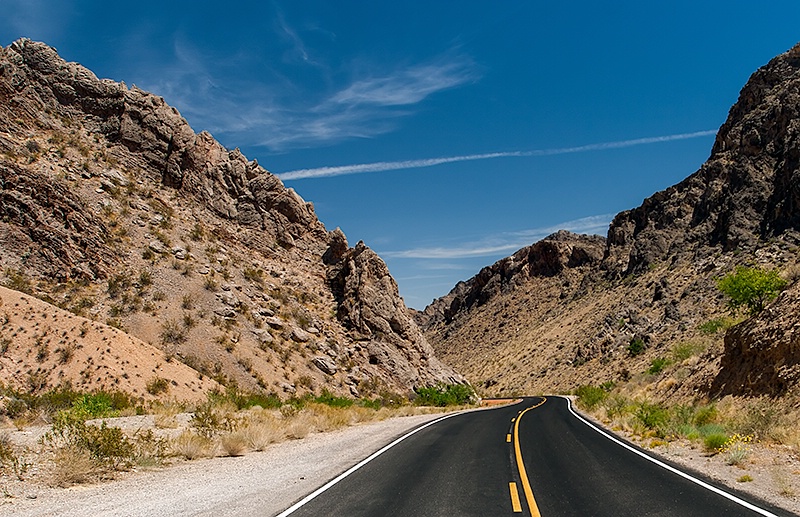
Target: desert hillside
(574, 310)
(114, 209)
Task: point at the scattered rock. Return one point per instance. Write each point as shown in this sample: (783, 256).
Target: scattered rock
(325, 365)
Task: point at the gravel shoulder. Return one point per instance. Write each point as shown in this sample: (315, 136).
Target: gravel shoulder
(259, 483)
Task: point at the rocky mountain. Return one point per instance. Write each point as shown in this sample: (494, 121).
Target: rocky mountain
(649, 291)
(112, 207)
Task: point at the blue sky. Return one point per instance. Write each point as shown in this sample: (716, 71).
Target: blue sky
(445, 135)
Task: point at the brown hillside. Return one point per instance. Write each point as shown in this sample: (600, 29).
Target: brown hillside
(653, 294)
(113, 208)
(43, 345)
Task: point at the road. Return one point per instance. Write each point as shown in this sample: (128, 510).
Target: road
(531, 458)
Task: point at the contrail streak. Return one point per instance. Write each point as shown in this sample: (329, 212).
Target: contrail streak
(322, 172)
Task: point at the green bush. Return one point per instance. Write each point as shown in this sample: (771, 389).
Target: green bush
(329, 399)
(657, 365)
(590, 396)
(713, 326)
(636, 346)
(751, 288)
(685, 350)
(714, 442)
(653, 416)
(444, 395)
(106, 445)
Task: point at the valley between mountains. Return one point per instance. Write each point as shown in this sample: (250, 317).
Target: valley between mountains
(142, 258)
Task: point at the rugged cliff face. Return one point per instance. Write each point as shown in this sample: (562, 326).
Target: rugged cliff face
(112, 207)
(654, 290)
(746, 193)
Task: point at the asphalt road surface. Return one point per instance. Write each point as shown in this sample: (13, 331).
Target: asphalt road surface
(532, 458)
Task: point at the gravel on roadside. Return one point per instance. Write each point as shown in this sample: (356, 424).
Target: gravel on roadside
(257, 484)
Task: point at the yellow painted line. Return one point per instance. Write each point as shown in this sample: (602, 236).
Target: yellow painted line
(515, 504)
(513, 419)
(523, 475)
(508, 438)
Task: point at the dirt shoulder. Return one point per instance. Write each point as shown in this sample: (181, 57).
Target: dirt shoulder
(268, 481)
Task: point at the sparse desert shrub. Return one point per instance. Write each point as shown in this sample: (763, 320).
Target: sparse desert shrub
(444, 395)
(715, 442)
(652, 416)
(191, 446)
(187, 302)
(233, 444)
(657, 365)
(751, 288)
(197, 233)
(253, 275)
(259, 435)
(157, 385)
(211, 419)
(736, 449)
(636, 346)
(118, 284)
(761, 418)
(713, 326)
(590, 396)
(10, 460)
(172, 332)
(685, 350)
(332, 400)
(74, 465)
(164, 415)
(107, 446)
(299, 426)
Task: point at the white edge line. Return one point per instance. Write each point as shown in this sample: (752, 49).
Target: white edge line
(670, 468)
(357, 466)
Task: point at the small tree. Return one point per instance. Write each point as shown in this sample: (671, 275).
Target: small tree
(751, 288)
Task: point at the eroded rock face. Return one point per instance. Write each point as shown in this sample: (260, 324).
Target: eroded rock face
(50, 226)
(35, 76)
(748, 190)
(370, 305)
(762, 354)
(546, 258)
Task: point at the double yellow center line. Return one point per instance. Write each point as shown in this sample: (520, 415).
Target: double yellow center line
(526, 485)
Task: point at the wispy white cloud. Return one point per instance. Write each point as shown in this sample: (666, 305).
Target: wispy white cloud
(322, 172)
(274, 110)
(503, 244)
(406, 86)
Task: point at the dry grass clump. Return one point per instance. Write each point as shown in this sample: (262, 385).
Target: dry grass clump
(73, 465)
(299, 425)
(192, 446)
(233, 444)
(165, 415)
(259, 435)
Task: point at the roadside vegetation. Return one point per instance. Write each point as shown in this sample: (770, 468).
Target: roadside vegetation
(727, 427)
(83, 445)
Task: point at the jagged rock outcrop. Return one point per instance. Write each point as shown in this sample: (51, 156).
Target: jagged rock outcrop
(546, 258)
(762, 354)
(748, 190)
(112, 206)
(48, 224)
(369, 305)
(159, 138)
